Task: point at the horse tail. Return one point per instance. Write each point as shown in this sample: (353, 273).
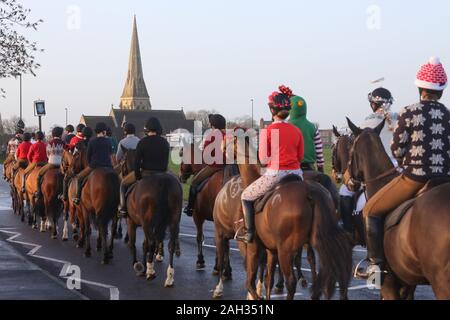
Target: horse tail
(161, 216)
(331, 242)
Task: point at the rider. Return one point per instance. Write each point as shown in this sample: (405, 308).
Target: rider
(310, 132)
(69, 133)
(421, 146)
(22, 152)
(211, 144)
(37, 156)
(283, 160)
(87, 134)
(98, 156)
(130, 141)
(78, 138)
(152, 155)
(55, 149)
(380, 101)
(11, 149)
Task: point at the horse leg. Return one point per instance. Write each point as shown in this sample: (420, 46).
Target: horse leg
(441, 285)
(103, 227)
(200, 240)
(279, 287)
(170, 270)
(119, 233)
(160, 252)
(298, 265)
(65, 236)
(88, 231)
(227, 271)
(82, 237)
(252, 263)
(138, 266)
(312, 262)
(261, 281)
(150, 273)
(285, 259)
(55, 229)
(99, 240)
(270, 276)
(114, 223)
(219, 240)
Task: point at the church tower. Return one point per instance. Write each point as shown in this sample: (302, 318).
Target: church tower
(135, 95)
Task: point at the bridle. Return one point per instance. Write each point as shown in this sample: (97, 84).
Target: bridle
(360, 180)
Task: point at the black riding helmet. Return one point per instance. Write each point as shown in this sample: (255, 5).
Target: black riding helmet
(57, 132)
(153, 125)
(129, 128)
(40, 135)
(80, 127)
(70, 128)
(101, 127)
(26, 136)
(218, 121)
(380, 97)
(88, 133)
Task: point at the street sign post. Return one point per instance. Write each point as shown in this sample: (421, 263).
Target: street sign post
(39, 111)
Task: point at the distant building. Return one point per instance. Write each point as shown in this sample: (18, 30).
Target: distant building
(135, 106)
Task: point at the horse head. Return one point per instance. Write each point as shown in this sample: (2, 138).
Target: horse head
(188, 167)
(79, 158)
(367, 146)
(340, 154)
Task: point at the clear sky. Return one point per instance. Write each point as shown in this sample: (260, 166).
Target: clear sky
(222, 53)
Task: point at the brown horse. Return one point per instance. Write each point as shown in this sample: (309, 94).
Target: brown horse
(155, 204)
(36, 209)
(99, 203)
(20, 196)
(417, 248)
(296, 214)
(204, 204)
(340, 157)
(51, 189)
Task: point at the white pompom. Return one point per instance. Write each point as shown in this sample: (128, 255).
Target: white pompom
(434, 61)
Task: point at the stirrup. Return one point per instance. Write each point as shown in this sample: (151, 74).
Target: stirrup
(188, 211)
(76, 201)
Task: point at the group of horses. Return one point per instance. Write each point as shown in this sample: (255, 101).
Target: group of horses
(297, 214)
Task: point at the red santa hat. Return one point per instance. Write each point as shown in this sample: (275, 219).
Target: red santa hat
(432, 75)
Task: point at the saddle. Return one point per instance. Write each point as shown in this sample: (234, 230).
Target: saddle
(261, 202)
(229, 171)
(394, 218)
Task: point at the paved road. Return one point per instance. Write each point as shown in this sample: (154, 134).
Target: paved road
(118, 280)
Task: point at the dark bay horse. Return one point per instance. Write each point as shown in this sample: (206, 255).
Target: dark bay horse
(155, 204)
(36, 210)
(340, 157)
(297, 213)
(417, 249)
(204, 204)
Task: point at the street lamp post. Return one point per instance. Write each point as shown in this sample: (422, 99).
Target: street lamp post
(252, 100)
(20, 78)
(66, 116)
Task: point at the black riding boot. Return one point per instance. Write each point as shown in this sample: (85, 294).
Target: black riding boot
(346, 208)
(65, 191)
(249, 219)
(188, 210)
(77, 200)
(123, 202)
(375, 246)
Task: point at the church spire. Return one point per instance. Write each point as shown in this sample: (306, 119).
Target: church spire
(135, 95)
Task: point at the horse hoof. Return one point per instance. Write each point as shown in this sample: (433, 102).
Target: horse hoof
(169, 284)
(178, 253)
(279, 290)
(87, 254)
(150, 277)
(227, 277)
(215, 272)
(65, 239)
(159, 258)
(200, 265)
(55, 237)
(217, 295)
(303, 283)
(139, 268)
(75, 237)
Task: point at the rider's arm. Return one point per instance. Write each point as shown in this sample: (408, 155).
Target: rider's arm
(301, 148)
(30, 154)
(319, 149)
(264, 146)
(90, 151)
(401, 137)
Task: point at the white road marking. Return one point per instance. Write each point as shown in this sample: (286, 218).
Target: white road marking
(113, 291)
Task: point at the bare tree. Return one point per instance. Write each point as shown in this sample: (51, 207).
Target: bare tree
(242, 121)
(16, 51)
(200, 115)
(10, 126)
